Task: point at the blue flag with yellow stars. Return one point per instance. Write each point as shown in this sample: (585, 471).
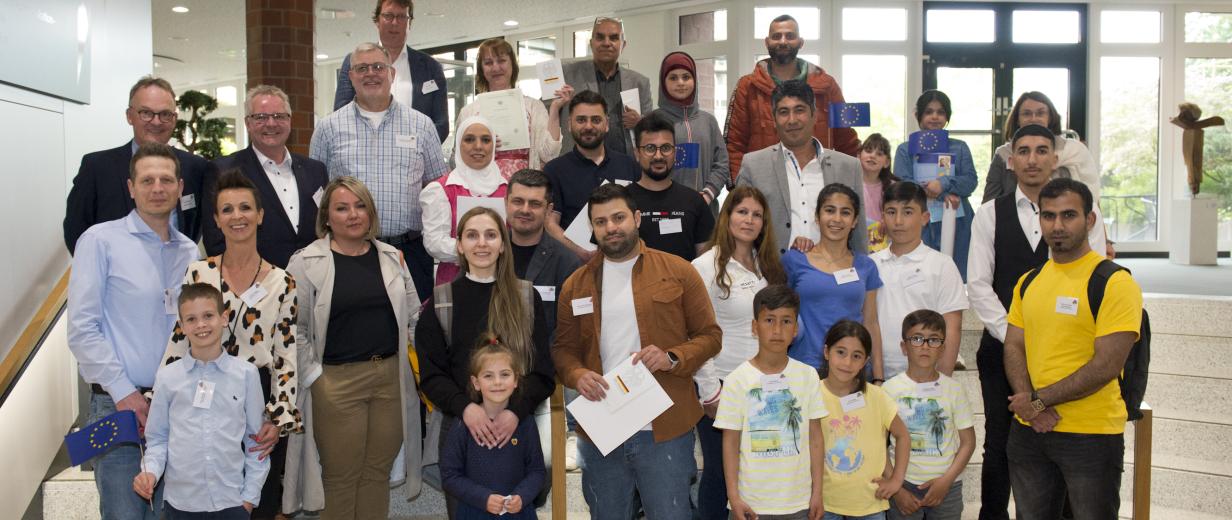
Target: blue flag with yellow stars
(847, 115)
(95, 439)
(928, 142)
(688, 155)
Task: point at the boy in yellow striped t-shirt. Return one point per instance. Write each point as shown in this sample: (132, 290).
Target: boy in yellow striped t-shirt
(770, 412)
(938, 416)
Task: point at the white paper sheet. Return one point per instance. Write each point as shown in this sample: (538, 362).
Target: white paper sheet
(467, 203)
(504, 110)
(949, 219)
(551, 78)
(632, 99)
(579, 230)
(634, 398)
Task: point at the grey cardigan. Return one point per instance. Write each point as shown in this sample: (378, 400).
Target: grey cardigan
(766, 170)
(313, 270)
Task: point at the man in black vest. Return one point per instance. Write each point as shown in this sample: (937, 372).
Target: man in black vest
(1005, 244)
(290, 184)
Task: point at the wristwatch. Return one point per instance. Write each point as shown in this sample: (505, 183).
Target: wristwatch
(672, 357)
(1037, 404)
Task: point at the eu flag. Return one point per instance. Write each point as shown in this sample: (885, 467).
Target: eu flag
(928, 142)
(847, 115)
(688, 155)
(97, 438)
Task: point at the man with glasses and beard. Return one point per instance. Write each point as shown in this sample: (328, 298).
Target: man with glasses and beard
(632, 300)
(675, 219)
(750, 114)
(100, 190)
(579, 171)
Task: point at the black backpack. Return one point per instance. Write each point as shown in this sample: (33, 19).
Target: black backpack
(1137, 365)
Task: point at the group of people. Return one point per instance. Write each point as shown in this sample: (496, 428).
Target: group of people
(371, 310)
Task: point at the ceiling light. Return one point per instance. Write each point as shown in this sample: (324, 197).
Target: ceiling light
(179, 9)
(322, 56)
(511, 23)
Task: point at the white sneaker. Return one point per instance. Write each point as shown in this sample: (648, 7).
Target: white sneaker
(571, 452)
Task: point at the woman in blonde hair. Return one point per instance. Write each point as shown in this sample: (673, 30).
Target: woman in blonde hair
(357, 393)
(496, 69)
(488, 297)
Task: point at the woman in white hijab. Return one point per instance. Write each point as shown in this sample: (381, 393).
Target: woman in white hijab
(475, 178)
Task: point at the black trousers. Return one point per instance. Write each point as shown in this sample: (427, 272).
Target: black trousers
(995, 387)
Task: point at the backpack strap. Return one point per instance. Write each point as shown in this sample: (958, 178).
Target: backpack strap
(1022, 289)
(1099, 282)
(442, 303)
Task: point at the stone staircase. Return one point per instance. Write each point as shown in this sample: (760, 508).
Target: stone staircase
(1190, 392)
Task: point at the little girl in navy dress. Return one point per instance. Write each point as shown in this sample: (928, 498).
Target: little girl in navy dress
(491, 480)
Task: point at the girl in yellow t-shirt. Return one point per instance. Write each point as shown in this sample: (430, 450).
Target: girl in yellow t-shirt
(858, 481)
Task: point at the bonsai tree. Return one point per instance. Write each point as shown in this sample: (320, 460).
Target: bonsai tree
(204, 135)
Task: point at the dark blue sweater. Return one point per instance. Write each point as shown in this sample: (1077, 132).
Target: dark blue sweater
(472, 473)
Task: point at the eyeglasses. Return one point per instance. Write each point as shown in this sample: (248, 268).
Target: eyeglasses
(263, 118)
(165, 116)
(665, 149)
(391, 17)
(363, 68)
(920, 341)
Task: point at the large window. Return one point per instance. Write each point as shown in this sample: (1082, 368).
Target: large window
(809, 19)
(880, 81)
(1129, 147)
(1208, 83)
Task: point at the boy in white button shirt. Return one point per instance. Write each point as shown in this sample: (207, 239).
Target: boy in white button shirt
(915, 277)
(205, 407)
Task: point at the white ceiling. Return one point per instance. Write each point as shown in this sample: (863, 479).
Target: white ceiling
(209, 40)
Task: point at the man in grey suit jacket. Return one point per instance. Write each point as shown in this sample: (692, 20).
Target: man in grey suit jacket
(792, 172)
(602, 73)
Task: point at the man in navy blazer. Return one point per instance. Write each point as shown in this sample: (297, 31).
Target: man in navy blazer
(100, 189)
(290, 185)
(419, 81)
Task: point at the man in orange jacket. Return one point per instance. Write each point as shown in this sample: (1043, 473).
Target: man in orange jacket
(750, 117)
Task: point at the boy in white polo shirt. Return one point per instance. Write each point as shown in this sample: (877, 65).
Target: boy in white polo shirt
(915, 277)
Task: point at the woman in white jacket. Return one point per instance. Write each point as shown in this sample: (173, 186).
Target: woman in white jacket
(496, 69)
(358, 306)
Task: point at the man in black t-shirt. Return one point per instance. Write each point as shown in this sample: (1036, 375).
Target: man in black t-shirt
(675, 219)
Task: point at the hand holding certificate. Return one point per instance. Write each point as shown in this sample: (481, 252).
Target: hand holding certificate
(551, 78)
(504, 110)
(633, 399)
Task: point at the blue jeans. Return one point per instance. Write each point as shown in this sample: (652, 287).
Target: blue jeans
(836, 516)
(712, 491)
(950, 508)
(231, 513)
(962, 240)
(1045, 467)
(114, 472)
(658, 471)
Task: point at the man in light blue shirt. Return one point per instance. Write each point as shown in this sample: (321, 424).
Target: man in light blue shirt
(391, 148)
(209, 404)
(121, 310)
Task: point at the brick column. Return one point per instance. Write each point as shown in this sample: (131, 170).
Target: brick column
(280, 53)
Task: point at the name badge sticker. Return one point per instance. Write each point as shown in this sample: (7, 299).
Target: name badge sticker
(1067, 305)
(254, 295)
(205, 394)
(583, 306)
(773, 383)
(854, 401)
(316, 197)
(547, 293)
(913, 277)
(405, 141)
(188, 202)
(670, 226)
(429, 86)
(169, 305)
(932, 389)
(846, 276)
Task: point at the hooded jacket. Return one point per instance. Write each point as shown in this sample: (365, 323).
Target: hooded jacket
(694, 125)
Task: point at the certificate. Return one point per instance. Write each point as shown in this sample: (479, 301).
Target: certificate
(929, 167)
(634, 398)
(504, 110)
(465, 204)
(551, 78)
(632, 98)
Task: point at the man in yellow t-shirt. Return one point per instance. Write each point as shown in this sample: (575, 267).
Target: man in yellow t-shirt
(1062, 364)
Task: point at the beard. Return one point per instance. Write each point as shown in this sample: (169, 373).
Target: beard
(650, 172)
(589, 142)
(784, 56)
(1066, 244)
(620, 249)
